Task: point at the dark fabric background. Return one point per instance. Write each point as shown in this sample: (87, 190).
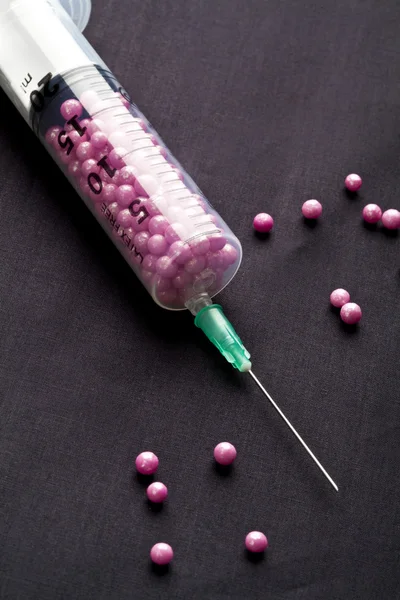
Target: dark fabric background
(266, 104)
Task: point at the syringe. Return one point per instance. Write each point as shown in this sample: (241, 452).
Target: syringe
(175, 242)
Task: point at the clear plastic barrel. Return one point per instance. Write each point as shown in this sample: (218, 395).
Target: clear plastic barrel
(173, 239)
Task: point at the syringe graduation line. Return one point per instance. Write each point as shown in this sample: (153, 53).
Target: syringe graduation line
(288, 423)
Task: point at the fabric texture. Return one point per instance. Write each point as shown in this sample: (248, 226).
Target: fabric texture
(266, 104)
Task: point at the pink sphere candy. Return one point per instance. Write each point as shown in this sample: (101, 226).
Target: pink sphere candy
(311, 209)
(196, 264)
(225, 453)
(200, 246)
(52, 135)
(181, 252)
(74, 168)
(157, 244)
(147, 276)
(217, 242)
(158, 224)
(125, 219)
(127, 176)
(90, 166)
(141, 241)
(175, 233)
(84, 151)
(76, 138)
(147, 463)
(106, 177)
(350, 313)
(99, 140)
(71, 108)
(229, 254)
(256, 541)
(95, 125)
(391, 219)
(150, 263)
(339, 297)
(182, 280)
(372, 213)
(116, 157)
(162, 284)
(166, 267)
(84, 186)
(125, 195)
(263, 222)
(161, 554)
(108, 193)
(157, 492)
(168, 297)
(353, 182)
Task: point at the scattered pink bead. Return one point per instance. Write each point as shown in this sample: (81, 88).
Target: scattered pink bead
(311, 209)
(353, 182)
(350, 313)
(339, 297)
(225, 453)
(157, 492)
(372, 213)
(391, 219)
(147, 463)
(161, 554)
(256, 541)
(263, 222)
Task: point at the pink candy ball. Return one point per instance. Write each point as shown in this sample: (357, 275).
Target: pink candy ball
(158, 224)
(350, 313)
(125, 195)
(166, 267)
(311, 209)
(161, 554)
(391, 219)
(372, 213)
(99, 140)
(256, 541)
(146, 463)
(157, 492)
(84, 151)
(353, 182)
(263, 222)
(71, 108)
(339, 297)
(225, 453)
(157, 244)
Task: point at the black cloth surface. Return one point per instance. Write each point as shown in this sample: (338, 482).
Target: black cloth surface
(266, 104)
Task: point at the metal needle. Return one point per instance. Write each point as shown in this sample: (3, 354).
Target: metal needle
(288, 423)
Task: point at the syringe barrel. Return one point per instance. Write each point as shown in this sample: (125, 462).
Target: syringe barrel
(175, 242)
